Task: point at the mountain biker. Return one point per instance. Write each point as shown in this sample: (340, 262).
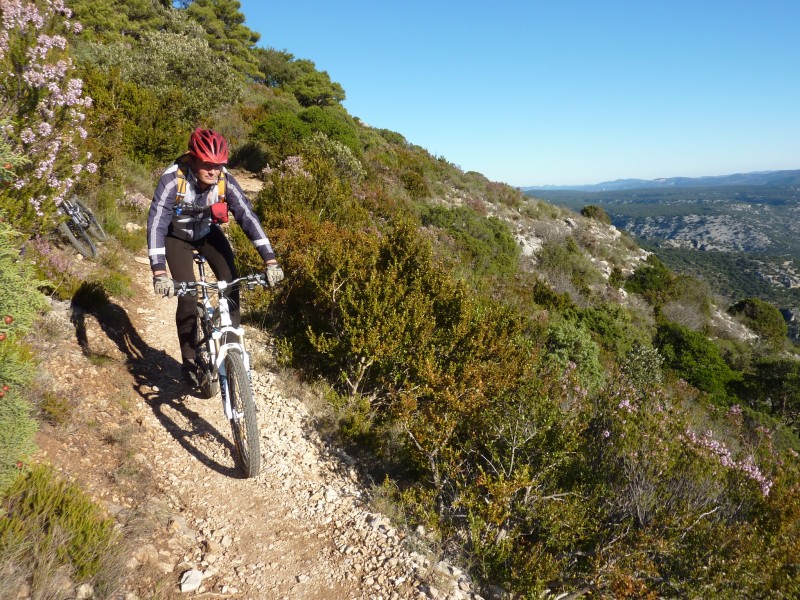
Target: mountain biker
(193, 195)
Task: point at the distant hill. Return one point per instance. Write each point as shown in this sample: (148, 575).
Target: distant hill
(758, 178)
(743, 239)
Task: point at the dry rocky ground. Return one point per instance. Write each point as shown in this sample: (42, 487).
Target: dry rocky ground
(160, 461)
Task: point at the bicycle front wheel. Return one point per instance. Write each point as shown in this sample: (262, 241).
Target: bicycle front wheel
(244, 423)
(78, 238)
(94, 227)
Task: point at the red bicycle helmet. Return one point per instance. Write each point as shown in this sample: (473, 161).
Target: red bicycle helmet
(208, 145)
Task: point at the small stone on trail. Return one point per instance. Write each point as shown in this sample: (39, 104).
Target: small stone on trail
(190, 581)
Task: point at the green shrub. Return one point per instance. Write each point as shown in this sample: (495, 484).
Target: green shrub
(773, 386)
(173, 66)
(10, 161)
(47, 518)
(653, 280)
(55, 408)
(487, 244)
(344, 161)
(314, 186)
(17, 426)
(681, 488)
(695, 358)
(613, 328)
(134, 121)
(117, 284)
(20, 303)
(764, 319)
(642, 366)
(415, 184)
(565, 261)
(591, 211)
(392, 137)
(616, 278)
(252, 155)
(281, 134)
(21, 298)
(570, 346)
(53, 266)
(334, 123)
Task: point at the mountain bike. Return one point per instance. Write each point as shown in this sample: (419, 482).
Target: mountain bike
(223, 363)
(80, 225)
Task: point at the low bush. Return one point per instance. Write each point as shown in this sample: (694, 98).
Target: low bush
(592, 211)
(764, 319)
(20, 304)
(696, 359)
(564, 262)
(49, 522)
(486, 243)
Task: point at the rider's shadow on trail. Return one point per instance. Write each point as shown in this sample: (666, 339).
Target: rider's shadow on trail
(156, 375)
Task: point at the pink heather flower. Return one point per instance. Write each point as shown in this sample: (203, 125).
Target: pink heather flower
(27, 135)
(746, 466)
(606, 434)
(3, 43)
(293, 165)
(735, 410)
(91, 167)
(77, 169)
(77, 28)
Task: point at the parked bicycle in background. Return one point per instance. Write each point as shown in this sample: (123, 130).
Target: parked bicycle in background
(80, 226)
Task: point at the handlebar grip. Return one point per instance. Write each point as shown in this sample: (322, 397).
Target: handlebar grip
(182, 289)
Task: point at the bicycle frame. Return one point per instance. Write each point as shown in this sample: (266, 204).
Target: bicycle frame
(220, 324)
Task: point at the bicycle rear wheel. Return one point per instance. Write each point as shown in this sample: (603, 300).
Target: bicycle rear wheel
(209, 384)
(94, 227)
(78, 238)
(244, 423)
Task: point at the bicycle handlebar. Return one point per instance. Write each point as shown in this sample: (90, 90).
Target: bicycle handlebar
(189, 288)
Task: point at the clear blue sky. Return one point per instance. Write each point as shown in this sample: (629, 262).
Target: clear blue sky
(562, 91)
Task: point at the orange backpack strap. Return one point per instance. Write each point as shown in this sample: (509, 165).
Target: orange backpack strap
(181, 175)
(221, 187)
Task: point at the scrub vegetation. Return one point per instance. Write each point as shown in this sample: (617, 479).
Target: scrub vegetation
(549, 411)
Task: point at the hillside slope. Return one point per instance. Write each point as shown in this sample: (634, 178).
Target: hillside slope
(160, 460)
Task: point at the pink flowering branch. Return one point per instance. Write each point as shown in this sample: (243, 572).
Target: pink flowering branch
(43, 104)
(726, 459)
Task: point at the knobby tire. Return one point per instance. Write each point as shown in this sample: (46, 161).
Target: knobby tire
(78, 237)
(244, 423)
(94, 228)
(209, 386)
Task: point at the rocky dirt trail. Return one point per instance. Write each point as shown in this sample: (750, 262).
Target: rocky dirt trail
(160, 460)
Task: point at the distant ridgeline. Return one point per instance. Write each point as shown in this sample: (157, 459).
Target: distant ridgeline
(745, 227)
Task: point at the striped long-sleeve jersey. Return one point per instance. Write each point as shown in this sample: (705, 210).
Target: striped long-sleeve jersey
(191, 219)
